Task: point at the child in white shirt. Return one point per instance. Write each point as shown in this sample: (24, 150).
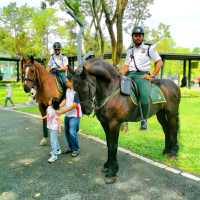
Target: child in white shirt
(9, 95)
(54, 126)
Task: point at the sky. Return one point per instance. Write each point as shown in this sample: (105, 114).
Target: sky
(183, 16)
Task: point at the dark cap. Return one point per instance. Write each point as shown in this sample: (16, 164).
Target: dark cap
(57, 45)
(138, 30)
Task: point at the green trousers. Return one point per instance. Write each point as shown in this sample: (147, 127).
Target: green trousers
(144, 88)
(61, 77)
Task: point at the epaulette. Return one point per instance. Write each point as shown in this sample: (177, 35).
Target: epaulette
(148, 43)
(131, 46)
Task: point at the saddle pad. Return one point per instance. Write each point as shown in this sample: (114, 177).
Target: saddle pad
(157, 95)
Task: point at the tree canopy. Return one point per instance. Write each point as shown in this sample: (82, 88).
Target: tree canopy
(27, 30)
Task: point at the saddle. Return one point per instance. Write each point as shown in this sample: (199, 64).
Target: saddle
(128, 87)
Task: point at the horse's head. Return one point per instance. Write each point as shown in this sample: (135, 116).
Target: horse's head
(85, 86)
(28, 74)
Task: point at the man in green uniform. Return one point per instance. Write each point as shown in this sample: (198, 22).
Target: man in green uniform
(137, 66)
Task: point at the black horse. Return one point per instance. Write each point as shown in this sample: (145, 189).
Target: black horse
(98, 87)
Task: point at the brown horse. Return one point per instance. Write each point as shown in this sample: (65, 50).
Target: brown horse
(98, 85)
(35, 76)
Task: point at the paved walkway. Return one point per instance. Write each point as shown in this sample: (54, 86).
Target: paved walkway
(26, 175)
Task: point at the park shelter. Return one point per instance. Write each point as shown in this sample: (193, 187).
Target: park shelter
(189, 61)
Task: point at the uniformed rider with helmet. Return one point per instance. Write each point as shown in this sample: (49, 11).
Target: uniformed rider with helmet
(58, 64)
(137, 66)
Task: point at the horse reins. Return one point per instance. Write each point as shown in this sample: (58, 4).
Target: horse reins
(93, 99)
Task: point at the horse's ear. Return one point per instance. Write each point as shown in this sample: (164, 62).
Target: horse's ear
(99, 71)
(32, 59)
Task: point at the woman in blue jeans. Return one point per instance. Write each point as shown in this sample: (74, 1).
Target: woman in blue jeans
(72, 109)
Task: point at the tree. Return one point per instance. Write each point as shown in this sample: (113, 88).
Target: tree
(129, 13)
(43, 23)
(93, 9)
(68, 33)
(115, 18)
(14, 20)
(196, 50)
(136, 13)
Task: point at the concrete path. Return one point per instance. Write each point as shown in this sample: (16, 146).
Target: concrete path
(26, 175)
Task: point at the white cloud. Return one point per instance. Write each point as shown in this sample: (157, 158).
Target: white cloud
(183, 16)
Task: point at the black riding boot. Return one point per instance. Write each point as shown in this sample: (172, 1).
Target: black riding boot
(145, 110)
(143, 125)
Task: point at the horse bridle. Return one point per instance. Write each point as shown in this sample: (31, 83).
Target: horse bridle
(34, 80)
(91, 97)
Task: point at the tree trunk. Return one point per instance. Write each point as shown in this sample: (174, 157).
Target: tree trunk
(117, 44)
(97, 20)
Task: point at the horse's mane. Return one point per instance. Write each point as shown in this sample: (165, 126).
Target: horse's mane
(101, 66)
(39, 66)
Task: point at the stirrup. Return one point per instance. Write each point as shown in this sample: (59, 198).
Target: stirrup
(143, 125)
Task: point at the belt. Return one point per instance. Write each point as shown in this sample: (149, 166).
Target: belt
(147, 72)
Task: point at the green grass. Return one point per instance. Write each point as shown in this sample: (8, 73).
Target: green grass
(19, 96)
(151, 142)
(32, 109)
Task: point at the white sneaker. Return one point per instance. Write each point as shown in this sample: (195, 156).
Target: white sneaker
(57, 152)
(52, 159)
(43, 142)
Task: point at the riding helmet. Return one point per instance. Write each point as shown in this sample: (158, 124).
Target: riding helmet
(57, 45)
(138, 30)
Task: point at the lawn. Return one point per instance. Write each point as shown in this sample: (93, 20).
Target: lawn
(150, 143)
(18, 95)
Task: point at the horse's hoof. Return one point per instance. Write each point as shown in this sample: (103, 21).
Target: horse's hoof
(110, 180)
(171, 156)
(43, 142)
(166, 151)
(104, 170)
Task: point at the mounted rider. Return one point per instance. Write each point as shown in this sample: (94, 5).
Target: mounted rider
(58, 64)
(137, 66)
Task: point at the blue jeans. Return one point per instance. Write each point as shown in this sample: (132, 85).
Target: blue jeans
(71, 132)
(55, 146)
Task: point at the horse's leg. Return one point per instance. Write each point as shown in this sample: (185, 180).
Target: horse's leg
(42, 109)
(111, 166)
(170, 124)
